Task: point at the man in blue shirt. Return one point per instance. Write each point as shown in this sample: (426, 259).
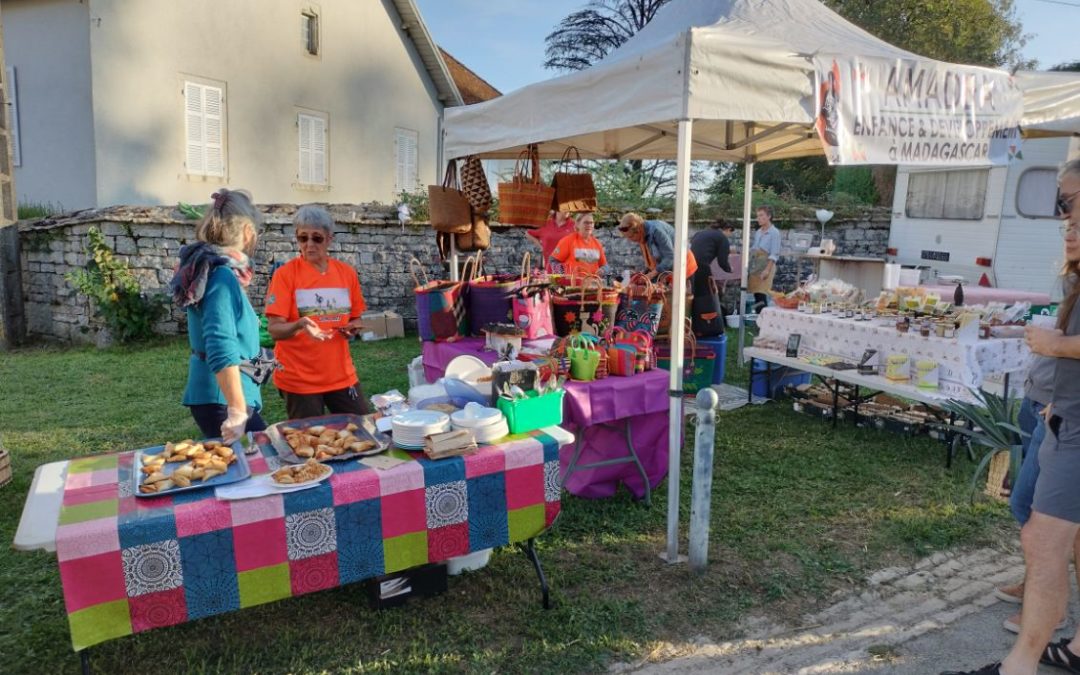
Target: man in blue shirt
(764, 256)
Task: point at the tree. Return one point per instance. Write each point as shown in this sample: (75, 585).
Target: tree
(580, 40)
(1074, 66)
(588, 35)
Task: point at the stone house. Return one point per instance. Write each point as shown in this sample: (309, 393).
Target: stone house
(157, 101)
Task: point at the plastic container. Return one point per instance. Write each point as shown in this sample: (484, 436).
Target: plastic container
(781, 377)
(469, 562)
(719, 346)
(534, 412)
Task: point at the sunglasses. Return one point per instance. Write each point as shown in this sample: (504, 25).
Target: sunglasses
(316, 238)
(1064, 204)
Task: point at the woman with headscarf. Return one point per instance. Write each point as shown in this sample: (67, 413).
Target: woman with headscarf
(313, 305)
(223, 330)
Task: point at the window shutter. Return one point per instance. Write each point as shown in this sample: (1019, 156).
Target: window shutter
(406, 143)
(204, 116)
(318, 151)
(305, 149)
(313, 155)
(12, 91)
(195, 154)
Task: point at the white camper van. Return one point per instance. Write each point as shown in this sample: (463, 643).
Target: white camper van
(993, 221)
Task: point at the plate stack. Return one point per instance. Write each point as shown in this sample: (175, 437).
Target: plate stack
(410, 428)
(487, 424)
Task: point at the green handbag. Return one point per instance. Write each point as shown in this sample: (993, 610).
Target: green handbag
(583, 359)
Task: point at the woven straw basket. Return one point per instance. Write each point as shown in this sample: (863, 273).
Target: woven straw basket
(996, 477)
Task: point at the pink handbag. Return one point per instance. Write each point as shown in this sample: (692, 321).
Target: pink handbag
(531, 305)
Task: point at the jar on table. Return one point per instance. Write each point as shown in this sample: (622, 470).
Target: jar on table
(924, 329)
(903, 324)
(939, 329)
(950, 330)
(984, 331)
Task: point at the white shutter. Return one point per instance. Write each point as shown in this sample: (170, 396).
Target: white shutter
(318, 151)
(204, 123)
(313, 154)
(12, 91)
(193, 123)
(304, 124)
(405, 147)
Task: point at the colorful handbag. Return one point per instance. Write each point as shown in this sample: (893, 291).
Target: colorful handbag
(525, 200)
(440, 307)
(531, 305)
(640, 305)
(584, 358)
(574, 192)
(490, 297)
(698, 364)
(448, 207)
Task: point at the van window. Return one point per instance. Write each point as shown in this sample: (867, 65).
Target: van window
(1036, 192)
(954, 195)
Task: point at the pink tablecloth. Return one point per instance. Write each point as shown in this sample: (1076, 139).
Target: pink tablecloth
(641, 401)
(980, 295)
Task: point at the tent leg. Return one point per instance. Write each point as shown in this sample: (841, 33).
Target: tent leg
(678, 320)
(748, 201)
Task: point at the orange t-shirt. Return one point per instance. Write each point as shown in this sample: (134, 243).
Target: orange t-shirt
(580, 257)
(332, 299)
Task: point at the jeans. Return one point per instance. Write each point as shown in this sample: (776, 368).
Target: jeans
(1023, 489)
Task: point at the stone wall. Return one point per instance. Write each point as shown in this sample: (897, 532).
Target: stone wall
(367, 236)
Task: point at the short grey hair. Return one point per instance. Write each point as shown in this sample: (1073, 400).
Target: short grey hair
(1071, 168)
(310, 215)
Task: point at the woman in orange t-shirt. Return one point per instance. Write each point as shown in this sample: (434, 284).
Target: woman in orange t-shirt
(580, 254)
(313, 305)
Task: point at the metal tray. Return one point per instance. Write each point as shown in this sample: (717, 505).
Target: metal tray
(366, 431)
(237, 471)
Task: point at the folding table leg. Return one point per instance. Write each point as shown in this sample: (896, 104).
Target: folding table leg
(637, 461)
(84, 658)
(530, 552)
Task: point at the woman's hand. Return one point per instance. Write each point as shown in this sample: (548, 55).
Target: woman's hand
(1042, 340)
(308, 325)
(233, 426)
(352, 328)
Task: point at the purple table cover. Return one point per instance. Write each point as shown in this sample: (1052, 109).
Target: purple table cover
(642, 400)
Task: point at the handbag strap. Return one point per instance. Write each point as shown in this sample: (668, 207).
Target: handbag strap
(566, 156)
(639, 280)
(526, 267)
(450, 178)
(414, 265)
(468, 270)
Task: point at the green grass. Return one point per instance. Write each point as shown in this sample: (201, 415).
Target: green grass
(799, 511)
(38, 210)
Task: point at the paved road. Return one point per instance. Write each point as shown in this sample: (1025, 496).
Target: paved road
(938, 614)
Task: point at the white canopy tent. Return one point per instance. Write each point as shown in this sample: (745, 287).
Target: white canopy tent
(720, 80)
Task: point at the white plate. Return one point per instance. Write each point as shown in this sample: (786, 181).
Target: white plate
(420, 419)
(307, 483)
(476, 416)
(408, 446)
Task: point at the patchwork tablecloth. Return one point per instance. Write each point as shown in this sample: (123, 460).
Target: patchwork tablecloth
(130, 564)
(961, 367)
(598, 413)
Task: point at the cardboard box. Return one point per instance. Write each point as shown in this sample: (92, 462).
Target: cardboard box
(395, 325)
(375, 323)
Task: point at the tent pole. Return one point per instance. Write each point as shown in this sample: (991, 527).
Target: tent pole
(748, 202)
(678, 320)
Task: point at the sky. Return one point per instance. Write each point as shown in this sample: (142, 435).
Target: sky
(502, 41)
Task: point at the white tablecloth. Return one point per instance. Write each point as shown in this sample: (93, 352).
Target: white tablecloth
(961, 366)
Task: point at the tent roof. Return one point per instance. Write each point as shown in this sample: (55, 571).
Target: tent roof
(743, 70)
(1051, 102)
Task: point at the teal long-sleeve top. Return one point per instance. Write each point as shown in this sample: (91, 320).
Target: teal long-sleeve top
(223, 330)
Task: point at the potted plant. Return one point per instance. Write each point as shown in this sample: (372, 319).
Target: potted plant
(991, 421)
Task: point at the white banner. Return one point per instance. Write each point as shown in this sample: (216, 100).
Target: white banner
(905, 111)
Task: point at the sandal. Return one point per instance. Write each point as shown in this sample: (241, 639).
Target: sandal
(1057, 654)
(992, 669)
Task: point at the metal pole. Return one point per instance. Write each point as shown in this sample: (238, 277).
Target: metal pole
(702, 492)
(678, 319)
(748, 202)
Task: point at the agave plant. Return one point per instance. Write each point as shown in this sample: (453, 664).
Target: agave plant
(992, 423)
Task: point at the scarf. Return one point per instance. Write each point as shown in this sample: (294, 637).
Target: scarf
(197, 261)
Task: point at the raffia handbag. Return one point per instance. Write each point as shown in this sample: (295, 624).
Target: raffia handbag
(440, 306)
(525, 200)
(449, 208)
(476, 239)
(574, 192)
(474, 184)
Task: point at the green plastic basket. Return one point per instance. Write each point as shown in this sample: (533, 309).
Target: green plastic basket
(535, 412)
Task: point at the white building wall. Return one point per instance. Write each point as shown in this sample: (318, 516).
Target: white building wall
(367, 79)
(47, 42)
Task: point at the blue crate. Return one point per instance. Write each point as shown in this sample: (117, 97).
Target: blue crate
(719, 346)
(781, 377)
